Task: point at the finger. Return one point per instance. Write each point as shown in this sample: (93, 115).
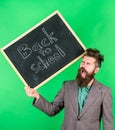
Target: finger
(26, 87)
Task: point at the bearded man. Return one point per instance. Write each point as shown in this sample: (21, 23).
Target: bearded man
(85, 100)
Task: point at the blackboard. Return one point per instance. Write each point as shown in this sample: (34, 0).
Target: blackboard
(44, 50)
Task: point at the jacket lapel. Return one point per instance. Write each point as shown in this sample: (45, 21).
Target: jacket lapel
(74, 95)
(94, 92)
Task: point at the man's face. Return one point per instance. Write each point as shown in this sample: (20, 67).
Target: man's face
(89, 65)
(87, 70)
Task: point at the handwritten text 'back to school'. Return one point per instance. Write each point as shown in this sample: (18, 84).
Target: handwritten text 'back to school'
(49, 52)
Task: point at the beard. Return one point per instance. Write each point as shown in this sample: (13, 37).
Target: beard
(83, 77)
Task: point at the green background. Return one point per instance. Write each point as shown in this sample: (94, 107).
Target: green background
(94, 23)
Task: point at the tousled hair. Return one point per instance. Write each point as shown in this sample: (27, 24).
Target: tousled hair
(91, 52)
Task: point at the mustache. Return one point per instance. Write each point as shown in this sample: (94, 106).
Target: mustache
(81, 70)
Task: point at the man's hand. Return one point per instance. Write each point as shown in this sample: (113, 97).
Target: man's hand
(31, 92)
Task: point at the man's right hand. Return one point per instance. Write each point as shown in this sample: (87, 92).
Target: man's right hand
(31, 92)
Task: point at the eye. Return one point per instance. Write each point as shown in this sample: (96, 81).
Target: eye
(83, 62)
(88, 63)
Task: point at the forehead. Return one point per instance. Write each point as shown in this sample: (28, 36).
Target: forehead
(88, 59)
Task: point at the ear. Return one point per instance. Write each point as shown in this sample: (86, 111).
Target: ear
(96, 69)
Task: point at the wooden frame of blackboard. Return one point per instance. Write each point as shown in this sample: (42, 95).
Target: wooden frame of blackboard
(71, 32)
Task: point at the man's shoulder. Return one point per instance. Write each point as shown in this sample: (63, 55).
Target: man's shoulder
(101, 86)
(68, 82)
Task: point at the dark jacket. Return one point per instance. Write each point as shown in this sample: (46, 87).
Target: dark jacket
(98, 104)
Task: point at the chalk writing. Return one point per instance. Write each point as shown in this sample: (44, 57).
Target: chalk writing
(45, 63)
(47, 55)
(49, 36)
(25, 51)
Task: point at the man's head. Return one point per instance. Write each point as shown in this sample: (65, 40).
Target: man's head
(90, 65)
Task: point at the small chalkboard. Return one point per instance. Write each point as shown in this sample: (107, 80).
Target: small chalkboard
(44, 51)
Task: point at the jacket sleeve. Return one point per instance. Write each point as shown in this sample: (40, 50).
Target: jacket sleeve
(51, 108)
(107, 111)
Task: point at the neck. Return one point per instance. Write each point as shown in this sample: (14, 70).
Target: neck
(90, 83)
